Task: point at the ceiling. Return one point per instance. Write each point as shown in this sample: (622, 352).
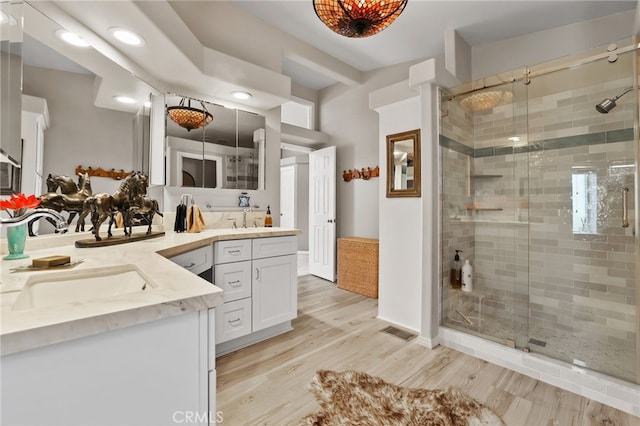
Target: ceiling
(218, 46)
(418, 33)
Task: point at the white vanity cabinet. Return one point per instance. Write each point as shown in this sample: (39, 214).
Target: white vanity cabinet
(147, 374)
(200, 262)
(259, 279)
(275, 290)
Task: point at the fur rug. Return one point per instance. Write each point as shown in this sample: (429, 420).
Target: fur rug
(351, 398)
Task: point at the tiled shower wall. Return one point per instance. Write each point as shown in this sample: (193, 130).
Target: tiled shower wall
(532, 270)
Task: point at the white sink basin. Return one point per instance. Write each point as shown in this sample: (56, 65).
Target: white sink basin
(49, 289)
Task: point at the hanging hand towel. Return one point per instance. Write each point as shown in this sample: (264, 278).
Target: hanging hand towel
(195, 219)
(181, 212)
(119, 220)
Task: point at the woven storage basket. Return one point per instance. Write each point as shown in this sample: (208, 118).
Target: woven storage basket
(358, 265)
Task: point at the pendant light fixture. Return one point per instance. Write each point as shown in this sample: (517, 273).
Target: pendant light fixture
(189, 117)
(358, 18)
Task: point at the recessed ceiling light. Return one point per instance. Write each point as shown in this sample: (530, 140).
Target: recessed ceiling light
(124, 99)
(71, 38)
(126, 36)
(514, 138)
(239, 94)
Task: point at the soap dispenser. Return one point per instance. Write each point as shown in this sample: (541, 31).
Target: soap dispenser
(268, 220)
(456, 272)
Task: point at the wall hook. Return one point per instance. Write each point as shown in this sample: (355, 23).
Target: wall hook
(365, 174)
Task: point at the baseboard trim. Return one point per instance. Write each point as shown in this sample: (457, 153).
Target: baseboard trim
(402, 326)
(429, 343)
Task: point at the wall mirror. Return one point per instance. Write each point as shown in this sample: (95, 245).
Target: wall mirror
(227, 153)
(75, 88)
(403, 164)
(10, 78)
(89, 126)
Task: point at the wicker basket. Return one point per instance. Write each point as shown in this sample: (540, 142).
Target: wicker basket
(358, 265)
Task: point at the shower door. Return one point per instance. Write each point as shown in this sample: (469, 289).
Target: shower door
(582, 192)
(538, 189)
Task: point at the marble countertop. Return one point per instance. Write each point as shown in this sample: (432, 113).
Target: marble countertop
(173, 291)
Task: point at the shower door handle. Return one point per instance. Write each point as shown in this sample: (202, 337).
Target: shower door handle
(625, 207)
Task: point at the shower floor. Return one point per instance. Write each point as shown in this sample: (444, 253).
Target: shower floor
(583, 350)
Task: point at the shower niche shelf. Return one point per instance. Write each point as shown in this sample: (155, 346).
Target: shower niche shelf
(485, 176)
(484, 209)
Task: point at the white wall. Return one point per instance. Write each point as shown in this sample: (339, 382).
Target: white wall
(353, 128)
(400, 267)
(80, 134)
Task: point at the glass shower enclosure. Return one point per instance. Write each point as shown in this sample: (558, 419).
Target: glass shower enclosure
(538, 190)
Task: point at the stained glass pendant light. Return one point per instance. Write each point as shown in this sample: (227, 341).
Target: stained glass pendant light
(189, 117)
(358, 18)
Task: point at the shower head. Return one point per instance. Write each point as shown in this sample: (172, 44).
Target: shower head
(608, 104)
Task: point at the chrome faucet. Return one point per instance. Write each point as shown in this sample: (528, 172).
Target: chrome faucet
(244, 216)
(57, 219)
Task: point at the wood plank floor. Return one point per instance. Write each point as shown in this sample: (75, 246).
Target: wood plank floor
(266, 384)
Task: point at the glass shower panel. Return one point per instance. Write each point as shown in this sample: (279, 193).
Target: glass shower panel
(484, 188)
(582, 260)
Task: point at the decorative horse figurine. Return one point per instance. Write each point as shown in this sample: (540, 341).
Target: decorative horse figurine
(146, 207)
(103, 205)
(70, 199)
(65, 183)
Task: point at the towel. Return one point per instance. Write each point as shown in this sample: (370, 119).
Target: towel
(119, 220)
(181, 213)
(195, 220)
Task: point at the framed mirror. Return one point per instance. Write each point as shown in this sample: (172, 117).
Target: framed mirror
(403, 164)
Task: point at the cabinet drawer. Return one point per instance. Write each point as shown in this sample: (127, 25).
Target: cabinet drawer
(196, 261)
(232, 251)
(235, 279)
(233, 320)
(274, 246)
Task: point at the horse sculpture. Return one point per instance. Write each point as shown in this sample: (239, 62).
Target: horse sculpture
(146, 207)
(102, 206)
(70, 199)
(65, 183)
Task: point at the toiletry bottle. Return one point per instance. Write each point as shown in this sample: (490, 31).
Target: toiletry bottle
(467, 276)
(268, 220)
(456, 272)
